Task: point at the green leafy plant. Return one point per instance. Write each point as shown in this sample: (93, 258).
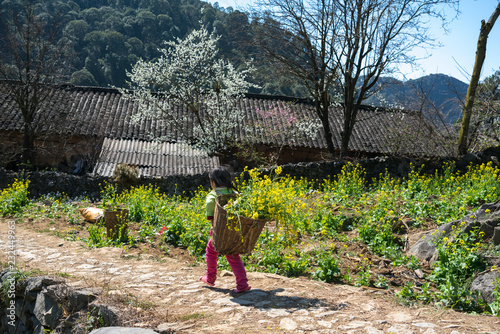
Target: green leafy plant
(328, 268)
(13, 277)
(458, 260)
(494, 307)
(347, 186)
(381, 282)
(295, 266)
(407, 295)
(363, 278)
(271, 261)
(94, 320)
(97, 236)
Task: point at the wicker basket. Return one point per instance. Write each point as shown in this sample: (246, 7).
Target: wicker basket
(116, 223)
(234, 234)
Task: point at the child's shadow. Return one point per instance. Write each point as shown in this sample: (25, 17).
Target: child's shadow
(262, 299)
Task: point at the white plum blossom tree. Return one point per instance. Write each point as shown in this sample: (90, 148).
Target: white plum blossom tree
(189, 75)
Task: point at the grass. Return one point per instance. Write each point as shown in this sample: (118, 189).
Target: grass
(134, 301)
(315, 225)
(192, 316)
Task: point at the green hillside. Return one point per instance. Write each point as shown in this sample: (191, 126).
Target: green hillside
(107, 37)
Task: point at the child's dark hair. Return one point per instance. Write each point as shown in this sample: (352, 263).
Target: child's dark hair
(221, 177)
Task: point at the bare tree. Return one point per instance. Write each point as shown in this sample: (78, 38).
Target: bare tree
(346, 45)
(474, 81)
(31, 56)
(431, 135)
(298, 36)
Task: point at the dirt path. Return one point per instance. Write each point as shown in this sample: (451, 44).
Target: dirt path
(177, 301)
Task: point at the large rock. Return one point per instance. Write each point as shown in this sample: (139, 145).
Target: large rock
(496, 236)
(110, 314)
(73, 324)
(47, 311)
(37, 326)
(76, 299)
(487, 217)
(38, 283)
(81, 298)
(485, 284)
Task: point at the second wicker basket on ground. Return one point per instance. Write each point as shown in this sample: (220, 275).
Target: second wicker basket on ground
(116, 224)
(232, 234)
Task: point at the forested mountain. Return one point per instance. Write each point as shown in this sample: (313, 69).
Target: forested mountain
(108, 36)
(431, 94)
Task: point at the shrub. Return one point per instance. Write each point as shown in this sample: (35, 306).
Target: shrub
(14, 198)
(126, 175)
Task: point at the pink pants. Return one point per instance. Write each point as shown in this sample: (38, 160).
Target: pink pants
(234, 261)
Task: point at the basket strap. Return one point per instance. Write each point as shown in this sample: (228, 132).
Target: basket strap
(219, 193)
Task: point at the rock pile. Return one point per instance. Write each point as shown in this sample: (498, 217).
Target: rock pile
(36, 304)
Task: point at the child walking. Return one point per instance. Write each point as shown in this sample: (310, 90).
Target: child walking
(220, 180)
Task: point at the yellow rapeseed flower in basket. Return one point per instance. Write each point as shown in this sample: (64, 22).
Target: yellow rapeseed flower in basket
(233, 233)
(262, 198)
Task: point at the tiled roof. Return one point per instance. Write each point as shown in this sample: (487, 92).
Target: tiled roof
(85, 111)
(103, 112)
(153, 160)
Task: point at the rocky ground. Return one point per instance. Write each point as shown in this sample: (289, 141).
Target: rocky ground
(165, 294)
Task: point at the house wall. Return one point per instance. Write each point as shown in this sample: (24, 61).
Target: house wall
(293, 155)
(302, 154)
(55, 151)
(257, 155)
(10, 148)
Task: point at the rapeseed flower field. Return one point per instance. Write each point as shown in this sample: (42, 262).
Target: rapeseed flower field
(338, 230)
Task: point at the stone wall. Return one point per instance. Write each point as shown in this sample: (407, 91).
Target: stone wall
(397, 167)
(75, 186)
(38, 304)
(87, 185)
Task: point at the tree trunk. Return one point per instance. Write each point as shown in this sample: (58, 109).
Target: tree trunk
(351, 107)
(328, 136)
(28, 156)
(322, 110)
(346, 135)
(471, 91)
